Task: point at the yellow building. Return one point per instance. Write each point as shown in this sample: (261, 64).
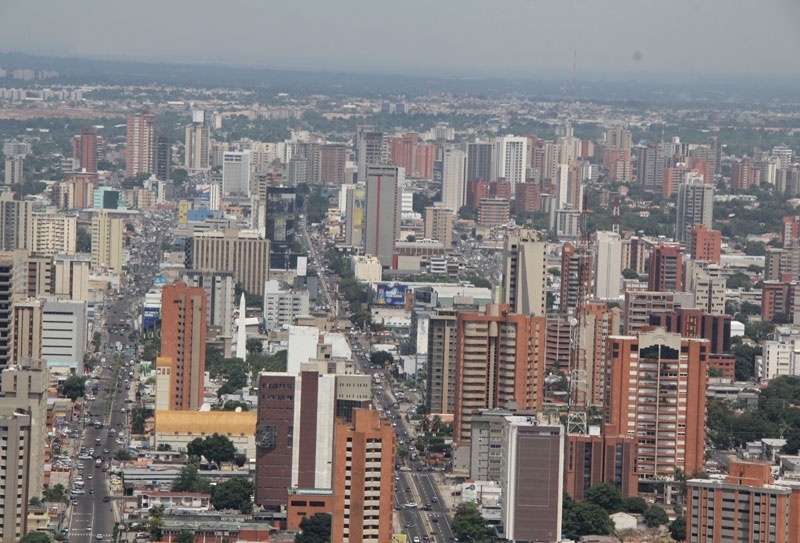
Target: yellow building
(179, 428)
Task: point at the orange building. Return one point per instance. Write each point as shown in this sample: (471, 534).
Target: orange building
(183, 340)
(305, 504)
(746, 506)
(593, 459)
(666, 268)
(777, 298)
(363, 479)
(500, 361)
(742, 174)
(426, 156)
(656, 393)
(706, 245)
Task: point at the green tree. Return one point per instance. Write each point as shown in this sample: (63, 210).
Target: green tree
(54, 494)
(469, 525)
(315, 529)
(254, 345)
(216, 448)
(635, 504)
(36, 537)
(189, 480)
(606, 496)
(123, 456)
(156, 523)
(83, 241)
(74, 387)
(655, 516)
(164, 447)
(97, 340)
(629, 273)
(139, 416)
(381, 358)
(739, 280)
(233, 494)
(240, 460)
(185, 536)
(745, 360)
(677, 529)
(585, 518)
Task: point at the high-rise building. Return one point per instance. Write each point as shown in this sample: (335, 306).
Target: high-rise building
(500, 362)
(576, 278)
(371, 149)
(71, 276)
(383, 212)
(454, 179)
(525, 273)
(88, 144)
(140, 150)
(363, 481)
(16, 223)
(243, 253)
(15, 170)
(220, 303)
(617, 156)
(280, 226)
(439, 225)
(15, 435)
(107, 234)
(509, 160)
(697, 324)
(198, 139)
(527, 198)
(442, 334)
(650, 165)
(236, 173)
(403, 152)
(10, 277)
(608, 266)
(640, 305)
(592, 459)
(163, 162)
(666, 267)
(274, 439)
(705, 245)
(26, 331)
(183, 340)
(53, 233)
(656, 393)
(532, 458)
(595, 324)
(743, 174)
(64, 331)
(332, 163)
(309, 152)
(479, 161)
(695, 206)
(493, 211)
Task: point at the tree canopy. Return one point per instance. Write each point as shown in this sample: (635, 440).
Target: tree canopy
(216, 448)
(36, 537)
(315, 529)
(606, 496)
(469, 525)
(677, 529)
(74, 387)
(233, 494)
(655, 516)
(381, 358)
(189, 480)
(584, 518)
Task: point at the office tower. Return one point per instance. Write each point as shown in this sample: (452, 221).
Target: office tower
(371, 149)
(14, 173)
(525, 273)
(706, 245)
(592, 459)
(243, 253)
(280, 226)
(650, 165)
(442, 334)
(747, 505)
(499, 364)
(666, 267)
(107, 235)
(493, 212)
(608, 266)
(88, 149)
(695, 206)
(656, 391)
(71, 276)
(486, 442)
(198, 138)
(508, 159)
(439, 225)
(576, 278)
(236, 173)
(383, 212)
(219, 287)
(140, 150)
(16, 222)
(64, 331)
(297, 173)
(10, 277)
(354, 216)
(454, 179)
(183, 340)
(479, 161)
(15, 435)
(274, 439)
(532, 458)
(53, 233)
(332, 163)
(363, 482)
(163, 162)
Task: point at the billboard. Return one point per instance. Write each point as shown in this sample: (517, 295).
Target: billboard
(359, 203)
(392, 294)
(159, 281)
(202, 193)
(183, 211)
(150, 317)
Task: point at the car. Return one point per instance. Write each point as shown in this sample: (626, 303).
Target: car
(91, 491)
(99, 537)
(416, 539)
(74, 502)
(90, 476)
(106, 498)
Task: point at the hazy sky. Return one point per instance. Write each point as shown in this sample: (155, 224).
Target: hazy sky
(447, 37)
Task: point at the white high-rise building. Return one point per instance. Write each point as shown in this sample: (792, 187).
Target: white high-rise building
(236, 173)
(608, 266)
(508, 160)
(64, 330)
(695, 206)
(524, 273)
(454, 179)
(198, 140)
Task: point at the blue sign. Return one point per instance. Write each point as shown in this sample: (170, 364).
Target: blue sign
(391, 294)
(159, 281)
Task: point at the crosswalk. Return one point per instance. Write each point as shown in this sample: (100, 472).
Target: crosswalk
(73, 533)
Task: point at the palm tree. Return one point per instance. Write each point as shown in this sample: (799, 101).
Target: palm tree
(424, 425)
(436, 424)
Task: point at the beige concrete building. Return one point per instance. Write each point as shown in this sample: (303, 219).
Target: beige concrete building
(71, 276)
(242, 252)
(525, 273)
(179, 428)
(26, 331)
(107, 242)
(439, 225)
(366, 269)
(54, 233)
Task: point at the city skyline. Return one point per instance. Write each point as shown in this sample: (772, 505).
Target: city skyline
(525, 39)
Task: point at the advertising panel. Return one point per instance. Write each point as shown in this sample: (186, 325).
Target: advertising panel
(393, 294)
(202, 193)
